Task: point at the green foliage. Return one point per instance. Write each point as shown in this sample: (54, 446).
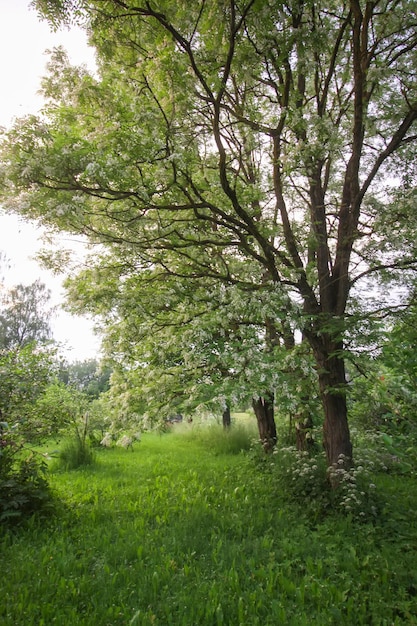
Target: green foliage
(87, 376)
(24, 488)
(25, 374)
(384, 397)
(305, 478)
(24, 316)
(61, 408)
(75, 450)
(383, 401)
(174, 534)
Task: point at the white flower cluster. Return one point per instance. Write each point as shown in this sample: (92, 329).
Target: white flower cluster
(355, 487)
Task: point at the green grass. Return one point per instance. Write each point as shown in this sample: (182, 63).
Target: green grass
(178, 533)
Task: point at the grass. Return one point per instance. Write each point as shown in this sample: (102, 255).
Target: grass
(74, 452)
(178, 533)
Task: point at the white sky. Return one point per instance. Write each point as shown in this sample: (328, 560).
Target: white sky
(23, 42)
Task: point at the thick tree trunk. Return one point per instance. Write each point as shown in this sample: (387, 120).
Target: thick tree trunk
(264, 411)
(332, 382)
(226, 417)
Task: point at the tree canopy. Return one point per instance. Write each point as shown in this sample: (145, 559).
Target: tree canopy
(269, 146)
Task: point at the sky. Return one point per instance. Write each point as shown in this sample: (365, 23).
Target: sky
(24, 40)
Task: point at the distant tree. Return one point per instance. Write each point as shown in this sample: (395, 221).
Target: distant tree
(88, 376)
(25, 373)
(25, 315)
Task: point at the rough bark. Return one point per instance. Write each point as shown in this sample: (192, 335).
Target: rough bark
(332, 383)
(264, 412)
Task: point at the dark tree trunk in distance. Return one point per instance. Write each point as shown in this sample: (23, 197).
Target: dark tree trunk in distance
(264, 411)
(227, 420)
(303, 430)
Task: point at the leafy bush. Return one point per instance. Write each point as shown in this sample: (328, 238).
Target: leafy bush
(25, 374)
(24, 488)
(302, 477)
(384, 402)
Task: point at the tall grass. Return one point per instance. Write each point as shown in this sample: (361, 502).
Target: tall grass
(238, 438)
(73, 452)
(178, 534)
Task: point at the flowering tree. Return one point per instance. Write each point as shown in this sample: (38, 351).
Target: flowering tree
(223, 133)
(182, 344)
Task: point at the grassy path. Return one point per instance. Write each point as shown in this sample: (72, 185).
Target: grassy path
(171, 534)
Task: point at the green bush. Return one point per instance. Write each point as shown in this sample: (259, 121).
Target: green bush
(24, 488)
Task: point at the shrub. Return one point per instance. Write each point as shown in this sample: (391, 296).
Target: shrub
(356, 493)
(304, 478)
(24, 488)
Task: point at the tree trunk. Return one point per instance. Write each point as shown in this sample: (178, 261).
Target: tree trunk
(303, 431)
(264, 411)
(227, 420)
(332, 383)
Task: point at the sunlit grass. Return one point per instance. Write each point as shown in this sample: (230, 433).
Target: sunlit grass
(177, 533)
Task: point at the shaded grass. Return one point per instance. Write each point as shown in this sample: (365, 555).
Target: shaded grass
(173, 534)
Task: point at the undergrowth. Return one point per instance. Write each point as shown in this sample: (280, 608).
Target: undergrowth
(305, 478)
(174, 534)
(24, 488)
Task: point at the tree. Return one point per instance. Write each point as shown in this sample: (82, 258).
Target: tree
(180, 344)
(25, 373)
(225, 131)
(87, 376)
(24, 316)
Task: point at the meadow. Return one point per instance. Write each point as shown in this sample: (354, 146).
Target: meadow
(184, 531)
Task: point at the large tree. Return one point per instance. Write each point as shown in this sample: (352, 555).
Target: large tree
(230, 130)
